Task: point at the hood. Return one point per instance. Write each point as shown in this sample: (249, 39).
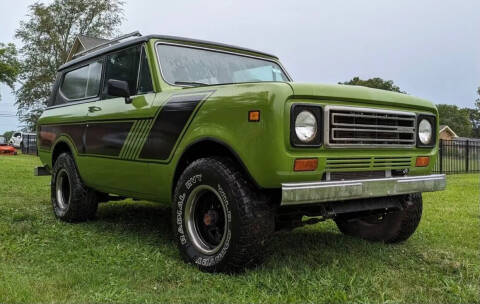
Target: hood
(359, 94)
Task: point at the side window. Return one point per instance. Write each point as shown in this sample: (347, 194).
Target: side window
(83, 82)
(145, 78)
(123, 65)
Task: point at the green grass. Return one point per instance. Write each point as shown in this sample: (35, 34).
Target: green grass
(128, 256)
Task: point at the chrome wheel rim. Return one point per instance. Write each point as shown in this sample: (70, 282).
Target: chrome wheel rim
(63, 189)
(206, 219)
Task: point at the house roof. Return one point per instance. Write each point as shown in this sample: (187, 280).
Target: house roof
(83, 43)
(90, 42)
(140, 39)
(447, 129)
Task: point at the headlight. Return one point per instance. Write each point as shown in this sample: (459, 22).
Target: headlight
(425, 131)
(306, 126)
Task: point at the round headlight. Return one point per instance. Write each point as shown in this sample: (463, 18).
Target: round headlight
(425, 131)
(306, 126)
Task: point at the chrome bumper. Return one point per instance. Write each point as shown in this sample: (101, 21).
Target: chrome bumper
(318, 192)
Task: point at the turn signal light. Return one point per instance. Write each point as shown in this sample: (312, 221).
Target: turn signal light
(254, 116)
(422, 161)
(305, 164)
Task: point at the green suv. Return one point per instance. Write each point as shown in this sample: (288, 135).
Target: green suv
(238, 149)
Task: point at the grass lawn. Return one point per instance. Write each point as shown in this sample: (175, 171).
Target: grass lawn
(127, 255)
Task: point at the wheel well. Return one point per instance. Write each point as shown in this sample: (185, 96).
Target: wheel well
(61, 147)
(209, 148)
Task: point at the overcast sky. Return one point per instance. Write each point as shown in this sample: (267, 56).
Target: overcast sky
(430, 49)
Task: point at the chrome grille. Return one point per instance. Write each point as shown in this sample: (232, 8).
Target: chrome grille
(338, 164)
(362, 127)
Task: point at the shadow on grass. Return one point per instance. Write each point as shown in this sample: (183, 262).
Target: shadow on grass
(151, 223)
(144, 219)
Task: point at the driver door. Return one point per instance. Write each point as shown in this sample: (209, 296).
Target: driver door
(117, 128)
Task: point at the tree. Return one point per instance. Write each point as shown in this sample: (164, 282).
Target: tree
(457, 119)
(47, 36)
(7, 135)
(477, 102)
(377, 83)
(475, 117)
(9, 65)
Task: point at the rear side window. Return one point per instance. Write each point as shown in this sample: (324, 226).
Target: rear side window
(83, 82)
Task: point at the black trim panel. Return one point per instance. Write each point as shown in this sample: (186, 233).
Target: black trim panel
(169, 124)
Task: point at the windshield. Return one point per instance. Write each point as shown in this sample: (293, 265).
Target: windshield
(186, 65)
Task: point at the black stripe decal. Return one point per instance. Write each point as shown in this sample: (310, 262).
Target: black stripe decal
(126, 144)
(48, 134)
(101, 138)
(169, 124)
(138, 138)
(106, 138)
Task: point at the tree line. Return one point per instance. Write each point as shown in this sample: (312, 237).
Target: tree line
(50, 30)
(46, 36)
(465, 122)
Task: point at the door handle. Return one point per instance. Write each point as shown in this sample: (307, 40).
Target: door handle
(94, 109)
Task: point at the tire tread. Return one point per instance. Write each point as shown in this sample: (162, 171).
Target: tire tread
(83, 202)
(255, 215)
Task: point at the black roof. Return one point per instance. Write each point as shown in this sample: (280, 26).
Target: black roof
(148, 37)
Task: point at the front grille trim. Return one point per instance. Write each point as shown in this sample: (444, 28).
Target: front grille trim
(357, 139)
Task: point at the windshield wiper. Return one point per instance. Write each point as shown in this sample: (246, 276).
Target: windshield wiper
(191, 83)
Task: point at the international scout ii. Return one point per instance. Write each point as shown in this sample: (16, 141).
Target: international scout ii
(238, 149)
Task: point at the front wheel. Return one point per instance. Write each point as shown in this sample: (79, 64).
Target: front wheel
(392, 227)
(221, 222)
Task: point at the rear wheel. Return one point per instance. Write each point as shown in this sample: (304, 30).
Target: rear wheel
(221, 222)
(72, 201)
(391, 227)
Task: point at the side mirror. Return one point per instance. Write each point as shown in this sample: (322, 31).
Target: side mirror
(119, 88)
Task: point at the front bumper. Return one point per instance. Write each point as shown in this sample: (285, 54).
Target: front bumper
(319, 192)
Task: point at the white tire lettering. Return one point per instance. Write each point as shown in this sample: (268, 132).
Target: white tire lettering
(193, 180)
(181, 233)
(210, 260)
(183, 240)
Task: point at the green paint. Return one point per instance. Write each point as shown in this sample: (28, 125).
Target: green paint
(263, 147)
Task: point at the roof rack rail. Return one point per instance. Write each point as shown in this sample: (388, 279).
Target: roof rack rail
(108, 43)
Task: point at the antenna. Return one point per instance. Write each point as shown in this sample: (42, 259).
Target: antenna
(108, 43)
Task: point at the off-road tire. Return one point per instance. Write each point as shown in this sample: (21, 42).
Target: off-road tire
(249, 221)
(82, 201)
(394, 227)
